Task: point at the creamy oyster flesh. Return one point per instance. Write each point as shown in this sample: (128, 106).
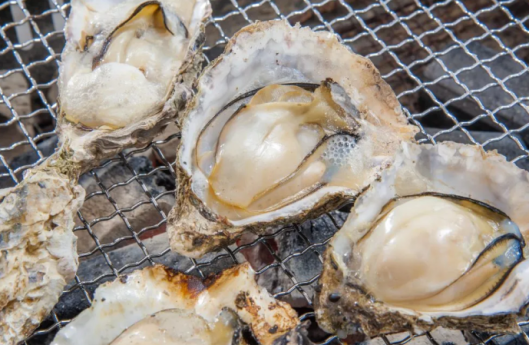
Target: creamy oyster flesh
(437, 253)
(180, 327)
(284, 143)
(125, 60)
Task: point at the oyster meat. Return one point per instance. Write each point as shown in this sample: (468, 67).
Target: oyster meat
(156, 303)
(286, 124)
(438, 241)
(127, 69)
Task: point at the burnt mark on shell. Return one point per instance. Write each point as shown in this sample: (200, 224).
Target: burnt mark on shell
(194, 285)
(191, 285)
(241, 300)
(123, 279)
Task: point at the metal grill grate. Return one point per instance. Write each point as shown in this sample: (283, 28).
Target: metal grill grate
(458, 67)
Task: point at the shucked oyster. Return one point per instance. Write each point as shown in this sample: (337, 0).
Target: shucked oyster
(286, 124)
(438, 241)
(157, 305)
(126, 70)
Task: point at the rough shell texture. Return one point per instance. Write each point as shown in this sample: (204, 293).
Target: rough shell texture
(86, 146)
(257, 56)
(38, 249)
(447, 168)
(132, 297)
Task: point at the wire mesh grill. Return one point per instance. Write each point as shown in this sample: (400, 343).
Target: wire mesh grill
(458, 68)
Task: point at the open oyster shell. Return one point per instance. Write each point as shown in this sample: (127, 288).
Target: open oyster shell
(127, 70)
(158, 303)
(286, 124)
(438, 241)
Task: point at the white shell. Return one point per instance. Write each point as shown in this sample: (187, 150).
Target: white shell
(129, 299)
(39, 250)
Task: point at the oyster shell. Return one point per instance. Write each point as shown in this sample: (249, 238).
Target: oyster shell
(127, 70)
(38, 248)
(438, 241)
(122, 311)
(286, 124)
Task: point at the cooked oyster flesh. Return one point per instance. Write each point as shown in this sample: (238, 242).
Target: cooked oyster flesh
(122, 72)
(179, 327)
(284, 144)
(436, 253)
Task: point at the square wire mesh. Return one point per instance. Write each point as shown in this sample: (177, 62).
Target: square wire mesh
(458, 68)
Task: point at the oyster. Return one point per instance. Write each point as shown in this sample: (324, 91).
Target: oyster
(126, 71)
(38, 250)
(438, 241)
(286, 124)
(158, 303)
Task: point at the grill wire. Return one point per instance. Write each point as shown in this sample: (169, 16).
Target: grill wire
(430, 52)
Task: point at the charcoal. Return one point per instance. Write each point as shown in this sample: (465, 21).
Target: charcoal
(304, 267)
(476, 78)
(126, 196)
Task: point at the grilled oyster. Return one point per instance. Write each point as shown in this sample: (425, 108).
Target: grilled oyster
(287, 124)
(438, 241)
(157, 303)
(126, 70)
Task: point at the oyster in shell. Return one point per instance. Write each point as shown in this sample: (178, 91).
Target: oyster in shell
(286, 124)
(438, 241)
(126, 71)
(158, 303)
